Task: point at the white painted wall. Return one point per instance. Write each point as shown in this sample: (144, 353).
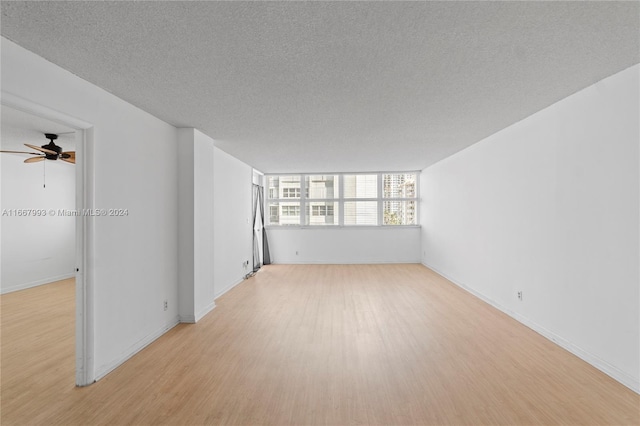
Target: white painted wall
(215, 232)
(36, 249)
(136, 265)
(344, 245)
(204, 233)
(232, 220)
(186, 246)
(550, 207)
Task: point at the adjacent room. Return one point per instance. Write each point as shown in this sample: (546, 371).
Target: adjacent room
(332, 213)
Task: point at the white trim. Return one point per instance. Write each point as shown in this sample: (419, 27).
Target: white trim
(343, 173)
(325, 227)
(204, 311)
(340, 202)
(25, 105)
(602, 365)
(380, 199)
(227, 289)
(37, 283)
(85, 279)
(85, 373)
(187, 319)
(358, 262)
(103, 370)
(192, 319)
(303, 200)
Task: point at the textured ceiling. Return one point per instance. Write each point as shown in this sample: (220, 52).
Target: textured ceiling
(334, 86)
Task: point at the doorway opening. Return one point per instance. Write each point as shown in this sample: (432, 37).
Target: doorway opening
(261, 255)
(45, 236)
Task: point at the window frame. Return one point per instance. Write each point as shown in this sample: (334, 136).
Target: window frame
(339, 202)
(322, 210)
(289, 208)
(296, 193)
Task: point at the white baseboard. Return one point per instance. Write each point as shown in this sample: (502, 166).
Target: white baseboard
(24, 286)
(341, 262)
(187, 319)
(192, 319)
(602, 365)
(204, 311)
(134, 349)
(227, 289)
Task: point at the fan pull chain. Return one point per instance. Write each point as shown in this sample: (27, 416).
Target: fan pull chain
(44, 174)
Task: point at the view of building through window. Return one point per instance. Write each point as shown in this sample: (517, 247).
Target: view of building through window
(402, 187)
(371, 199)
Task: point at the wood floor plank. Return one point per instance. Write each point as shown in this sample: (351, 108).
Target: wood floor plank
(306, 345)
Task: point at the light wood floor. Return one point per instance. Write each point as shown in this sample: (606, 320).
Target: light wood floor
(322, 344)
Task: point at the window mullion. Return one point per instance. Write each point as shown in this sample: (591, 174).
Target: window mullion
(380, 202)
(340, 200)
(303, 200)
(416, 198)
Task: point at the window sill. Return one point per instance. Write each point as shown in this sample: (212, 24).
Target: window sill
(336, 227)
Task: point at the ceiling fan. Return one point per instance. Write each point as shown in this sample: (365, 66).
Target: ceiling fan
(49, 151)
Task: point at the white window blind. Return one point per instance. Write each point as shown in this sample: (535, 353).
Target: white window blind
(322, 186)
(360, 186)
(360, 212)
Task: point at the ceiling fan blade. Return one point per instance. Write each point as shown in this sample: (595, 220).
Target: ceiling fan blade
(45, 150)
(34, 159)
(21, 152)
(68, 156)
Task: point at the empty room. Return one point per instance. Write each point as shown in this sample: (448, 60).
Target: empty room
(300, 213)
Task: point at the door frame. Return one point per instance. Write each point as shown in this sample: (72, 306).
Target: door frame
(85, 229)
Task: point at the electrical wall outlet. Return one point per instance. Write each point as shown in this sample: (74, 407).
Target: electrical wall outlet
(166, 304)
(520, 295)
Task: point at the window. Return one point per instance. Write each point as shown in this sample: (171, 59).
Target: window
(353, 199)
(399, 194)
(284, 213)
(284, 187)
(322, 210)
(322, 193)
(290, 210)
(321, 213)
(361, 199)
(361, 213)
(360, 186)
(290, 192)
(322, 187)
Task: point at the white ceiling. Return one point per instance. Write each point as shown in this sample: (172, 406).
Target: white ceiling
(335, 86)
